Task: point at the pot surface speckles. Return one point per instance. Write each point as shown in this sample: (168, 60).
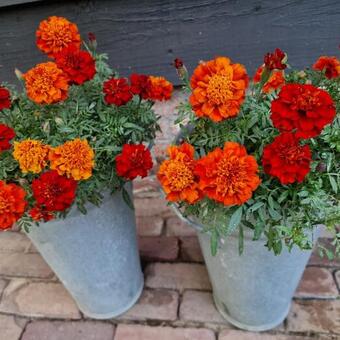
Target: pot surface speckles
(253, 291)
(95, 256)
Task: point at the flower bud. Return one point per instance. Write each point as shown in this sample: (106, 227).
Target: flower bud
(321, 167)
(18, 74)
(181, 69)
(92, 41)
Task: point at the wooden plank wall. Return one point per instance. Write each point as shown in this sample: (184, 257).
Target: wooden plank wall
(146, 35)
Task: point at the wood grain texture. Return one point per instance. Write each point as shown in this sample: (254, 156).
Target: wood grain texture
(146, 35)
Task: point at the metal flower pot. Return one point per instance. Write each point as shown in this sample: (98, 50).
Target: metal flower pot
(252, 291)
(95, 256)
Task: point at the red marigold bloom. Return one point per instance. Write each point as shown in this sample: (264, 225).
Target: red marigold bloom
(54, 192)
(159, 88)
(228, 176)
(140, 85)
(5, 98)
(135, 160)
(285, 159)
(331, 66)
(177, 175)
(12, 204)
(275, 60)
(6, 135)
(39, 214)
(117, 91)
(275, 81)
(303, 108)
(78, 65)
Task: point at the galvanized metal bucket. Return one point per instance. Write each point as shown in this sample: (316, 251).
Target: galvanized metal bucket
(95, 256)
(252, 291)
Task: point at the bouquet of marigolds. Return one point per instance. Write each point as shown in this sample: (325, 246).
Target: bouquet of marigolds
(76, 129)
(261, 155)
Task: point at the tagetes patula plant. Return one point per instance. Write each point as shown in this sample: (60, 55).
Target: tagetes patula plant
(260, 155)
(75, 130)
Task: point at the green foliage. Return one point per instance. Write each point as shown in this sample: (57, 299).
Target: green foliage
(283, 214)
(83, 115)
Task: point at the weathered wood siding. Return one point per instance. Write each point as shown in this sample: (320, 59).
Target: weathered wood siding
(146, 35)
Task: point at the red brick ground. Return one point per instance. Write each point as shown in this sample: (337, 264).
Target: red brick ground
(176, 303)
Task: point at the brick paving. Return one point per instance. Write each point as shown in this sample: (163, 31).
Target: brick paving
(176, 303)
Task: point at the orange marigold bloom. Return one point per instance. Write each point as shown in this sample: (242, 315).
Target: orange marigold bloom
(32, 155)
(74, 159)
(275, 81)
(12, 204)
(218, 89)
(56, 33)
(228, 176)
(46, 83)
(331, 66)
(159, 88)
(177, 175)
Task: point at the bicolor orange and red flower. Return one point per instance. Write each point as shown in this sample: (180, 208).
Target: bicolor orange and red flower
(275, 81)
(302, 108)
(159, 88)
(330, 65)
(12, 204)
(6, 135)
(79, 66)
(177, 175)
(75, 159)
(53, 192)
(46, 83)
(286, 159)
(5, 98)
(135, 160)
(218, 89)
(228, 175)
(275, 60)
(117, 91)
(56, 33)
(40, 214)
(32, 155)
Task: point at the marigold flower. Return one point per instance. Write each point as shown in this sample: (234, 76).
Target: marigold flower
(139, 85)
(74, 159)
(275, 60)
(285, 159)
(5, 98)
(228, 176)
(53, 192)
(12, 204)
(159, 88)
(6, 135)
(117, 91)
(32, 155)
(275, 81)
(39, 214)
(304, 108)
(331, 66)
(56, 33)
(135, 160)
(79, 66)
(218, 89)
(46, 83)
(177, 175)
